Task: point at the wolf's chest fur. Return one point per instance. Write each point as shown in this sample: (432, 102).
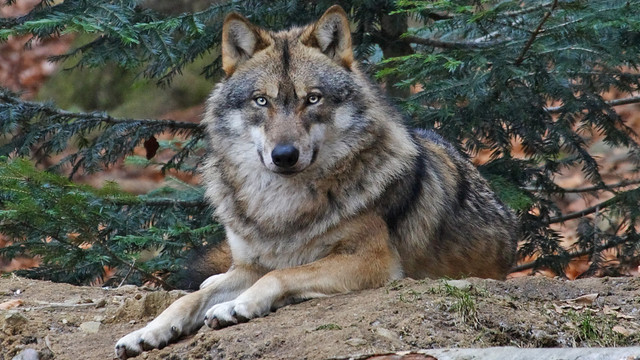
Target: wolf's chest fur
(286, 221)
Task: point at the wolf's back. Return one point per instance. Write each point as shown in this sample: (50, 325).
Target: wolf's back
(445, 220)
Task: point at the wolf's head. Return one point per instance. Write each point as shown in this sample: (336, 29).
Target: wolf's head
(296, 96)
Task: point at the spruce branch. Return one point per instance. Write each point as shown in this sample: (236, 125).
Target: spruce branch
(534, 35)
(100, 117)
(132, 265)
(583, 212)
(606, 187)
(106, 249)
(615, 241)
(616, 102)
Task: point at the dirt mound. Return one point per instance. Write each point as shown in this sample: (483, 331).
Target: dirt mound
(68, 322)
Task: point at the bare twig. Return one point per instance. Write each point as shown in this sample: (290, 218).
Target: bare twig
(128, 273)
(573, 48)
(46, 305)
(47, 343)
(450, 44)
(535, 33)
(594, 255)
(525, 10)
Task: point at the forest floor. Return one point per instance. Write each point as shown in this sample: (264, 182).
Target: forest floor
(62, 321)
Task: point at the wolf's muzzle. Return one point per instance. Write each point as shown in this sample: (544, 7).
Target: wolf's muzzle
(285, 156)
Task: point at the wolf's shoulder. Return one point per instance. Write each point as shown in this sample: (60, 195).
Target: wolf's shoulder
(431, 136)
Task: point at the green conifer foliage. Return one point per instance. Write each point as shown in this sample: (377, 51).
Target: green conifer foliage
(489, 73)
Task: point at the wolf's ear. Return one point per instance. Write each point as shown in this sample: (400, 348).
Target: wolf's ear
(240, 40)
(332, 35)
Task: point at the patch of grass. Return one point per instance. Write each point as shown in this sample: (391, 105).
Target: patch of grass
(593, 329)
(329, 327)
(464, 304)
(394, 285)
(587, 328)
(410, 296)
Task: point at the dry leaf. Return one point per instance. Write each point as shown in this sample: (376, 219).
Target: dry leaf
(623, 316)
(608, 310)
(11, 304)
(152, 146)
(558, 309)
(613, 311)
(585, 299)
(623, 331)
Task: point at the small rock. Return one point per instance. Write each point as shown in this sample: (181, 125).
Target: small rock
(12, 322)
(65, 321)
(127, 288)
(27, 354)
(101, 303)
(388, 334)
(98, 318)
(356, 342)
(90, 327)
(460, 284)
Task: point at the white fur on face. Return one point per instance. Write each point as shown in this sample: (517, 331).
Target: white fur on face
(343, 117)
(236, 121)
(258, 137)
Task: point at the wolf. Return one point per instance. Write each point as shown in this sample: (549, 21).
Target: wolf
(322, 188)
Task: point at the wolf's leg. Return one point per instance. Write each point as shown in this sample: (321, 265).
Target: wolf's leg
(186, 314)
(362, 259)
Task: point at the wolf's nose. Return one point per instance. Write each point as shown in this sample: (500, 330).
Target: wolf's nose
(285, 155)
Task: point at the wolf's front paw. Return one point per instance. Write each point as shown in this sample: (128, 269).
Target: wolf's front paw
(233, 312)
(152, 336)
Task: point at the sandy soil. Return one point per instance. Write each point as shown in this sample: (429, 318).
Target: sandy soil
(62, 321)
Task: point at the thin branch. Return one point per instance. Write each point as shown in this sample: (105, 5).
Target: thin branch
(128, 273)
(46, 305)
(450, 44)
(162, 202)
(620, 184)
(572, 255)
(572, 48)
(608, 187)
(525, 10)
(97, 116)
(617, 102)
(583, 212)
(535, 34)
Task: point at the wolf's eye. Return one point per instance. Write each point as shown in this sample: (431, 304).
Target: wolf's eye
(313, 99)
(261, 101)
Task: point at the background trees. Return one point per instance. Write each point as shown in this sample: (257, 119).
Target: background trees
(527, 88)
